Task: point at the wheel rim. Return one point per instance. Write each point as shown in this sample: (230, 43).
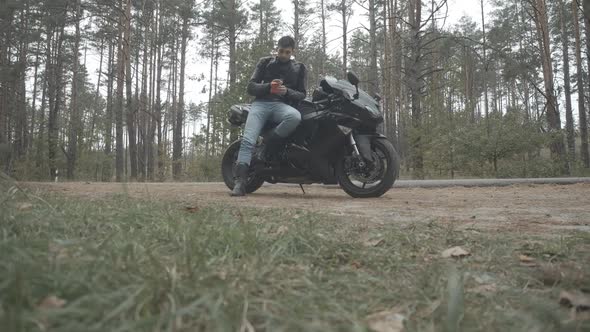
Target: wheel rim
(370, 176)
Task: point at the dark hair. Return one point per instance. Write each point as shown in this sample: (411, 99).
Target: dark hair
(286, 42)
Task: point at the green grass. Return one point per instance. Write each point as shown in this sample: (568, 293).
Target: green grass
(144, 265)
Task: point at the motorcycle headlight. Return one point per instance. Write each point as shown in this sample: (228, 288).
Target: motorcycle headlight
(372, 110)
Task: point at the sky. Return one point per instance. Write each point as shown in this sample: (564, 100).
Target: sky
(198, 66)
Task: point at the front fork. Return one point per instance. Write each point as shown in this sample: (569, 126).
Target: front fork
(361, 148)
(355, 151)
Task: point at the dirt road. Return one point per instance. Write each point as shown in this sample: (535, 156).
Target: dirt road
(523, 208)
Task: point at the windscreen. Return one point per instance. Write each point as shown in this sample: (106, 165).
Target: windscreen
(348, 90)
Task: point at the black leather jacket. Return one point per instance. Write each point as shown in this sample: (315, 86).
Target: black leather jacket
(293, 74)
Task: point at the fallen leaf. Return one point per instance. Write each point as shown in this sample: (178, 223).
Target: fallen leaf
(484, 278)
(455, 252)
(52, 302)
(482, 289)
(24, 206)
(552, 274)
(387, 321)
(579, 315)
(192, 209)
(58, 251)
(240, 216)
(372, 240)
(527, 261)
(294, 268)
(575, 299)
(222, 275)
(283, 229)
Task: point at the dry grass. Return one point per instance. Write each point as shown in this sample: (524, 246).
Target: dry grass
(124, 264)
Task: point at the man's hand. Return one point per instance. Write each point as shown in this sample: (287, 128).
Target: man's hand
(277, 88)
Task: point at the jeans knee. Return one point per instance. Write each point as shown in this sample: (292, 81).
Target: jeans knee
(295, 117)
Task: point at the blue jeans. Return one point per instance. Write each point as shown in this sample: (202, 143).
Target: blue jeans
(286, 116)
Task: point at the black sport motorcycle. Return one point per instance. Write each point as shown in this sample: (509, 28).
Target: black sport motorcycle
(336, 143)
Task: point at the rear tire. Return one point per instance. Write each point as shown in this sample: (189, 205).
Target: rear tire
(390, 160)
(227, 164)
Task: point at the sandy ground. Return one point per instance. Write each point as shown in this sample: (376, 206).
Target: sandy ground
(523, 208)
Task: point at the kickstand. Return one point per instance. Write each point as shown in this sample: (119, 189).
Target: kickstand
(301, 186)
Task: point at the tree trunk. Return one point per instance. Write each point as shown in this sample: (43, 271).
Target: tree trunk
(177, 140)
(209, 105)
(414, 72)
(586, 19)
(556, 146)
(130, 111)
(387, 70)
(4, 51)
(56, 96)
(485, 68)
(569, 120)
(154, 86)
(95, 114)
(262, 27)
(395, 70)
(34, 97)
(451, 132)
(119, 146)
(323, 55)
(143, 102)
(373, 74)
(97, 97)
(233, 69)
(21, 132)
(343, 9)
(75, 122)
(214, 115)
(107, 167)
(158, 119)
(296, 27)
(584, 126)
(39, 158)
(581, 107)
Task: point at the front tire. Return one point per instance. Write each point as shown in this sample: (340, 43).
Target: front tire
(227, 164)
(381, 177)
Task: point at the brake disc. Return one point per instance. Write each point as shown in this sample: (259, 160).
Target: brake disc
(367, 176)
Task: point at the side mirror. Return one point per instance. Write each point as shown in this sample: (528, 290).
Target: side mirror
(352, 78)
(377, 97)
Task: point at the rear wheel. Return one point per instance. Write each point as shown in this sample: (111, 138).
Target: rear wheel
(363, 180)
(227, 164)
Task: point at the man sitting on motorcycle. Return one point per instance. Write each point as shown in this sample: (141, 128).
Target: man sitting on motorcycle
(278, 84)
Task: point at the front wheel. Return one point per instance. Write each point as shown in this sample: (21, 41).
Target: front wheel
(227, 164)
(370, 179)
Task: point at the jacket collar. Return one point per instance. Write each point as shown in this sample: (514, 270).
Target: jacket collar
(275, 59)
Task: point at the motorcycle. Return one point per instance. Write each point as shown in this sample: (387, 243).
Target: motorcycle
(336, 143)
